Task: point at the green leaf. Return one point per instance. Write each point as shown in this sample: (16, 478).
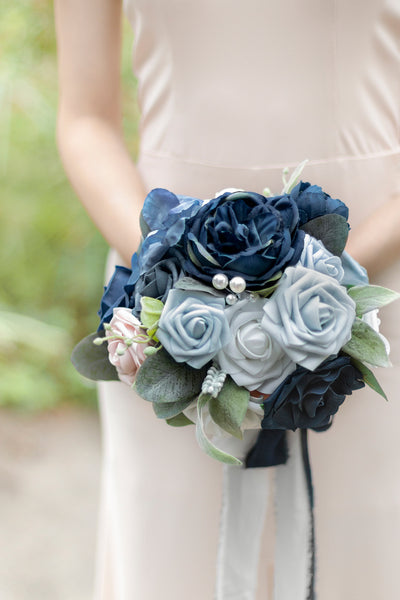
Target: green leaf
(229, 408)
(161, 379)
(292, 182)
(145, 229)
(150, 314)
(151, 311)
(187, 283)
(369, 377)
(179, 421)
(203, 440)
(366, 345)
(91, 361)
(151, 350)
(369, 297)
(272, 284)
(167, 410)
(331, 229)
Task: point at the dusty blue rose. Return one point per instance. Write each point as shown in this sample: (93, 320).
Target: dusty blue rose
(243, 234)
(193, 327)
(165, 214)
(311, 314)
(313, 202)
(315, 256)
(158, 281)
(308, 399)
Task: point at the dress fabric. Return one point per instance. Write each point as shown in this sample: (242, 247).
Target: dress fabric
(230, 93)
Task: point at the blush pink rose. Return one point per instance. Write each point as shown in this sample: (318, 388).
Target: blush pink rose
(126, 358)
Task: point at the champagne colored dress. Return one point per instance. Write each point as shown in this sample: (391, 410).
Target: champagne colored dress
(231, 92)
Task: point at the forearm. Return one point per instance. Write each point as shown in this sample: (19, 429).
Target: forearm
(375, 243)
(104, 178)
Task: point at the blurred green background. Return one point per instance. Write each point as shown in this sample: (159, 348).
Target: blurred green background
(52, 257)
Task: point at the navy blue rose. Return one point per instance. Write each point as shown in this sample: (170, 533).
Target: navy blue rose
(313, 202)
(308, 399)
(158, 281)
(243, 234)
(115, 294)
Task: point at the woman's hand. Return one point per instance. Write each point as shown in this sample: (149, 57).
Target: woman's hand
(375, 243)
(89, 132)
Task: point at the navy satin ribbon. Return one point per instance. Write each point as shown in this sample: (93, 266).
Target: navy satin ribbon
(269, 450)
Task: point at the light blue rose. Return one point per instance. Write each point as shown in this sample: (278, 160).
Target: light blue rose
(315, 256)
(354, 273)
(193, 327)
(311, 314)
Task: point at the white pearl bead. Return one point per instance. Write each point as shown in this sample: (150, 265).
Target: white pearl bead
(220, 281)
(231, 299)
(237, 285)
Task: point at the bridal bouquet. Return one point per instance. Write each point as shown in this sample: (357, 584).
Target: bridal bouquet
(240, 312)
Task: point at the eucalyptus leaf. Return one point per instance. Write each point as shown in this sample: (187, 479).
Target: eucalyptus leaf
(331, 229)
(167, 410)
(229, 409)
(161, 379)
(370, 297)
(366, 345)
(179, 421)
(369, 377)
(91, 360)
(203, 440)
(190, 284)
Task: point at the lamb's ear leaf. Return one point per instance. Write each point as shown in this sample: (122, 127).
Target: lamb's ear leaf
(370, 297)
(366, 345)
(229, 408)
(169, 410)
(162, 380)
(203, 440)
(369, 377)
(331, 229)
(179, 421)
(91, 360)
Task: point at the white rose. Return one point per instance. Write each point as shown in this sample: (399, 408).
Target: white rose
(253, 357)
(372, 319)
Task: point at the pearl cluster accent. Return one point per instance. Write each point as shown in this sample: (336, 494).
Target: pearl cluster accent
(213, 382)
(237, 285)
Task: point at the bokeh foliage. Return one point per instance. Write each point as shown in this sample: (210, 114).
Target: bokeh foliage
(52, 257)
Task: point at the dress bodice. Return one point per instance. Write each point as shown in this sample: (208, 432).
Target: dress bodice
(267, 83)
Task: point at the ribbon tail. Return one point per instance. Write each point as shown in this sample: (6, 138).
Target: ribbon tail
(244, 504)
(295, 541)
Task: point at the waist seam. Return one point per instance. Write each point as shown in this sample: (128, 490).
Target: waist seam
(270, 166)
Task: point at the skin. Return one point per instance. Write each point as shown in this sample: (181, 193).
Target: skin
(89, 132)
(92, 148)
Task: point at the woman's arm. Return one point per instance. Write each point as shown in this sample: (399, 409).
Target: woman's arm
(375, 243)
(89, 131)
